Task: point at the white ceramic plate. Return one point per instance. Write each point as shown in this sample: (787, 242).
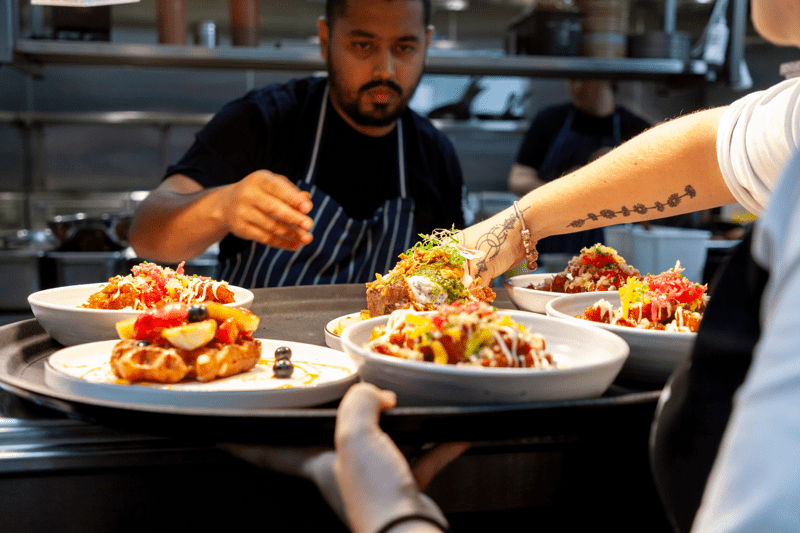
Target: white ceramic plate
(332, 339)
(654, 354)
(321, 375)
(531, 299)
(58, 312)
(591, 359)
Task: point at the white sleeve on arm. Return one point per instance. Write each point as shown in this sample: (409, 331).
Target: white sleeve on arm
(755, 483)
(757, 135)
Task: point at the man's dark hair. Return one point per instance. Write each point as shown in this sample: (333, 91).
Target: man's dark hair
(334, 8)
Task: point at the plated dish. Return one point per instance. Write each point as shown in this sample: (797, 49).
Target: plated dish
(321, 375)
(334, 328)
(58, 311)
(588, 359)
(533, 300)
(431, 273)
(654, 354)
(597, 268)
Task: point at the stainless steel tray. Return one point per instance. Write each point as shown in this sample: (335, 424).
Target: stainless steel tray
(300, 314)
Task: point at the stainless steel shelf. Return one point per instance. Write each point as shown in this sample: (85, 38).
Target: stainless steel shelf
(29, 53)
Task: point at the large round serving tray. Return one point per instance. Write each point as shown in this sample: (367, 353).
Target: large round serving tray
(300, 314)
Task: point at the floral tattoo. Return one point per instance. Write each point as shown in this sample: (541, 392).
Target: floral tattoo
(641, 209)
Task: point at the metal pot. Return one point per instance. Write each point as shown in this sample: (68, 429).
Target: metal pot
(81, 232)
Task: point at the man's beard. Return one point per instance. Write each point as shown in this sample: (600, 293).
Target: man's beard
(381, 116)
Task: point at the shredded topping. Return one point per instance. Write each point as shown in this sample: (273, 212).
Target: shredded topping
(665, 301)
(472, 334)
(435, 271)
(150, 285)
(597, 268)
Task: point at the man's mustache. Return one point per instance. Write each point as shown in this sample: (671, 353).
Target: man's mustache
(388, 83)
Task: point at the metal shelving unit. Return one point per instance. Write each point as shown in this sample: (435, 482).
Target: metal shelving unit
(30, 55)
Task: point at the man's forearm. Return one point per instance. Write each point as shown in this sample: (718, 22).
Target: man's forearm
(170, 226)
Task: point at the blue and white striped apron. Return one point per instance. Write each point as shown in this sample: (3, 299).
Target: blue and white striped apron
(344, 250)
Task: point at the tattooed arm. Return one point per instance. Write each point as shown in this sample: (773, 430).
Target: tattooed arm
(668, 170)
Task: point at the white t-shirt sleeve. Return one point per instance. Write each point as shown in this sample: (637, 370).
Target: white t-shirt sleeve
(757, 135)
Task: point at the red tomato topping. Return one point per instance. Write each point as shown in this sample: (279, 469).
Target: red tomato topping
(149, 324)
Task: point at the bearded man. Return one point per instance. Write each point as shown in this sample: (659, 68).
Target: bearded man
(321, 180)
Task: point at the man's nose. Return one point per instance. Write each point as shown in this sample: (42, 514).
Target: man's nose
(384, 67)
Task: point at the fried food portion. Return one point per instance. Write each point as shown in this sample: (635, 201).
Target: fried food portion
(226, 360)
(428, 275)
(149, 285)
(134, 361)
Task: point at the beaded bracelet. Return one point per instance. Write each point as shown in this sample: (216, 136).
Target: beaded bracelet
(410, 517)
(531, 255)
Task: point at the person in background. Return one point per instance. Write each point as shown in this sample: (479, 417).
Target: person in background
(320, 180)
(565, 137)
(735, 403)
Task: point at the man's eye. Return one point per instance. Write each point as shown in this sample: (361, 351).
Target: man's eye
(363, 46)
(406, 49)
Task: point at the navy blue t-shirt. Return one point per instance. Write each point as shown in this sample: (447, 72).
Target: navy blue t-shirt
(273, 128)
(547, 124)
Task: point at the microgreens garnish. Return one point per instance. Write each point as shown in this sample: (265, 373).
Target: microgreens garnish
(442, 239)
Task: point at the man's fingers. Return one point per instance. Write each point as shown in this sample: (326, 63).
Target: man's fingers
(280, 187)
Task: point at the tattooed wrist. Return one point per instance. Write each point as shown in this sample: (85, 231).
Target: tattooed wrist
(491, 242)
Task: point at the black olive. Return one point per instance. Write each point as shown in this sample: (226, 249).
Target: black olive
(142, 343)
(197, 313)
(283, 368)
(283, 352)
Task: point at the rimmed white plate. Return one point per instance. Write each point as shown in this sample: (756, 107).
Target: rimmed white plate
(58, 311)
(589, 357)
(334, 340)
(654, 354)
(321, 375)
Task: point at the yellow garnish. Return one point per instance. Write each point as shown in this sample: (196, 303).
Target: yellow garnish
(478, 339)
(454, 333)
(439, 353)
(627, 294)
(423, 324)
(505, 321)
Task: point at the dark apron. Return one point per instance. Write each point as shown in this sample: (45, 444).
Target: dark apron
(697, 400)
(344, 249)
(570, 150)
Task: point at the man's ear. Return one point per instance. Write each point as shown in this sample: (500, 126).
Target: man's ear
(324, 32)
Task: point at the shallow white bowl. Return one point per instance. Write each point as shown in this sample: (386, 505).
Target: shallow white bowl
(654, 354)
(332, 339)
(58, 312)
(531, 299)
(591, 358)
